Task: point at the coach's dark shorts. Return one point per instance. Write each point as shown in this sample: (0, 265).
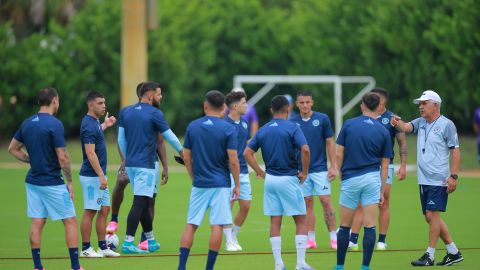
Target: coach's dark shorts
(433, 198)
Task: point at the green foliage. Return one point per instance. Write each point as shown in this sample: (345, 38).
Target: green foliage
(407, 45)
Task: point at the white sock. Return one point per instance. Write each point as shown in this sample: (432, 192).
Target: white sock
(129, 238)
(431, 252)
(228, 234)
(333, 236)
(301, 244)
(235, 230)
(149, 235)
(452, 248)
(311, 235)
(276, 243)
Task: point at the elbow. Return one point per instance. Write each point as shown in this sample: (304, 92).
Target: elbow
(306, 150)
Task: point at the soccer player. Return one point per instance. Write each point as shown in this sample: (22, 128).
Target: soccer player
(93, 175)
(237, 104)
(363, 148)
(319, 134)
(384, 217)
(280, 141)
(250, 115)
(42, 135)
(139, 126)
(436, 139)
(210, 152)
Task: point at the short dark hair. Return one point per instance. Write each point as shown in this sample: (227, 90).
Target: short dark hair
(380, 91)
(234, 97)
(371, 101)
(304, 93)
(215, 99)
(146, 87)
(46, 95)
(279, 104)
(139, 86)
(92, 95)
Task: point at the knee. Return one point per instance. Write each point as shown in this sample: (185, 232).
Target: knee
(70, 222)
(309, 201)
(326, 203)
(104, 210)
(245, 207)
(430, 217)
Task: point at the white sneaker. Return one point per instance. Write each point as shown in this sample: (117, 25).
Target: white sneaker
(90, 253)
(280, 266)
(352, 246)
(237, 246)
(304, 266)
(381, 246)
(230, 246)
(108, 253)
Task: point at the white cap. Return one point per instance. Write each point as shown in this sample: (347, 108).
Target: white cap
(238, 89)
(428, 95)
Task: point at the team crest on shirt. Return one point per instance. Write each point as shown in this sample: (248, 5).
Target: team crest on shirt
(316, 123)
(385, 121)
(436, 130)
(244, 125)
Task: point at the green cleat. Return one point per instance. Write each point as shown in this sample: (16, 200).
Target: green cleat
(153, 245)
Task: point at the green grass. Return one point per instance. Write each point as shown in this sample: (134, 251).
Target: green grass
(407, 238)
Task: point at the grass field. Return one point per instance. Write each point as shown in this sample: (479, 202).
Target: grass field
(407, 238)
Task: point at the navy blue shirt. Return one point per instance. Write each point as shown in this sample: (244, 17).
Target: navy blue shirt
(316, 130)
(243, 133)
(41, 134)
(280, 141)
(141, 122)
(366, 142)
(91, 132)
(384, 119)
(209, 138)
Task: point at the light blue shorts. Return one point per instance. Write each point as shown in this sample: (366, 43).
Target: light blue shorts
(217, 199)
(364, 189)
(49, 201)
(142, 180)
(157, 176)
(245, 187)
(283, 196)
(317, 184)
(390, 174)
(93, 197)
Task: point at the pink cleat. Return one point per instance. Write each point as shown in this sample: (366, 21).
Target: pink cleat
(311, 244)
(112, 227)
(143, 245)
(333, 244)
(81, 268)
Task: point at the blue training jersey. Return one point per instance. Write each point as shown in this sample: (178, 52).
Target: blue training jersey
(209, 138)
(41, 134)
(141, 122)
(243, 133)
(280, 141)
(366, 142)
(316, 129)
(384, 119)
(91, 132)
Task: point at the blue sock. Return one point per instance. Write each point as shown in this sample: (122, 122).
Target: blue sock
(74, 258)
(368, 245)
(85, 245)
(102, 245)
(37, 262)
(143, 237)
(212, 257)
(354, 238)
(381, 238)
(182, 258)
(342, 244)
(114, 218)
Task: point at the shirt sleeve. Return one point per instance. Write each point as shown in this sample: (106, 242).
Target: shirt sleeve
(252, 114)
(159, 122)
(450, 135)
(387, 146)
(120, 118)
(187, 141)
(58, 135)
(341, 135)
(255, 142)
(476, 116)
(416, 124)
(327, 128)
(232, 141)
(87, 135)
(18, 135)
(299, 137)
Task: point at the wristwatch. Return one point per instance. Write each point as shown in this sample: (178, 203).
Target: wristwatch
(454, 176)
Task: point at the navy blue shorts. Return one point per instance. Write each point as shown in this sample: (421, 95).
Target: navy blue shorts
(433, 198)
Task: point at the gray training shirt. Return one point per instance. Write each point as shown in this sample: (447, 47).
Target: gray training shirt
(434, 142)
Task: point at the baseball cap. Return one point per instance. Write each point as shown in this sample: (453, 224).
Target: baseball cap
(428, 95)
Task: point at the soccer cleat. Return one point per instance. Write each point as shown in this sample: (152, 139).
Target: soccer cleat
(450, 259)
(237, 246)
(304, 266)
(108, 253)
(112, 227)
(364, 267)
(130, 248)
(81, 268)
(333, 244)
(143, 245)
(338, 267)
(90, 253)
(153, 245)
(352, 246)
(311, 244)
(230, 246)
(423, 261)
(381, 246)
(280, 266)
